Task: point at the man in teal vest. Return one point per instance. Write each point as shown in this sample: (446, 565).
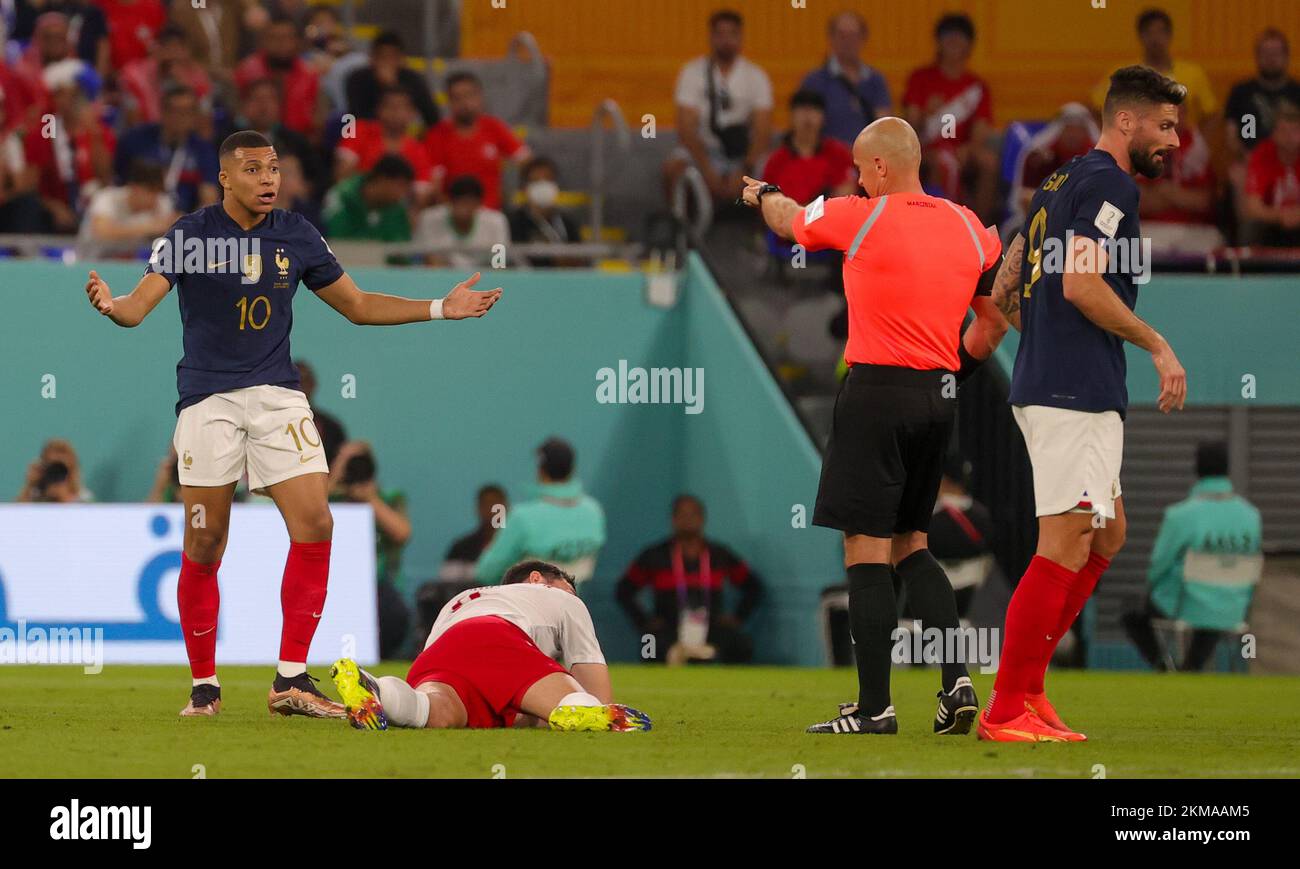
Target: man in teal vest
(1204, 566)
(560, 525)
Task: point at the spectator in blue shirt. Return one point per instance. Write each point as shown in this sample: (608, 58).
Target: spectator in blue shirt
(855, 94)
(188, 160)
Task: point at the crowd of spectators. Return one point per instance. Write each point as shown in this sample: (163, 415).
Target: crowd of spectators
(111, 112)
(1235, 178)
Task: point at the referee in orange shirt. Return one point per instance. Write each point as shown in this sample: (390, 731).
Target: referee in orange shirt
(912, 267)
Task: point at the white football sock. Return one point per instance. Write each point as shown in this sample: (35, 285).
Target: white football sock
(211, 680)
(580, 698)
(403, 705)
(289, 669)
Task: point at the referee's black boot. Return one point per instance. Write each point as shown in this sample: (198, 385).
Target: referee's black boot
(850, 720)
(957, 709)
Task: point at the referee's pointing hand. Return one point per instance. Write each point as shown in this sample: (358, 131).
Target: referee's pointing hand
(750, 194)
(463, 302)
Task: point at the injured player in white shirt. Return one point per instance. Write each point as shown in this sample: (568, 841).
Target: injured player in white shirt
(492, 660)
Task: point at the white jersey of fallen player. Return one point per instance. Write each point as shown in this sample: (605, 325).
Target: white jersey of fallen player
(557, 621)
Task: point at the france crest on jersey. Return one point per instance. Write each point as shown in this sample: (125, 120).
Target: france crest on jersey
(236, 291)
(1064, 360)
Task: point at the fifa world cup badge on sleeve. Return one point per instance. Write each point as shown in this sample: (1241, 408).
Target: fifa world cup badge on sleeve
(1108, 218)
(815, 209)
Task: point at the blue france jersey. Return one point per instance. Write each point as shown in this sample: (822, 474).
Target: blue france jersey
(1064, 360)
(236, 291)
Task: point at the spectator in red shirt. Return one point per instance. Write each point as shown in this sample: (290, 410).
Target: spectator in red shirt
(279, 61)
(75, 156)
(142, 81)
(810, 164)
(471, 142)
(1177, 209)
(951, 110)
(389, 133)
(132, 27)
(1271, 206)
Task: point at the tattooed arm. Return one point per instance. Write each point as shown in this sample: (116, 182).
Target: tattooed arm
(1006, 286)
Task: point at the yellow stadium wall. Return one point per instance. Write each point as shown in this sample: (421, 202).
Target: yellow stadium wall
(1035, 54)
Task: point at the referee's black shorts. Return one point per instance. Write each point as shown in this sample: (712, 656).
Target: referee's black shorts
(885, 457)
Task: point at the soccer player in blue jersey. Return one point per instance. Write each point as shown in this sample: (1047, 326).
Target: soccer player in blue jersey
(1069, 283)
(236, 266)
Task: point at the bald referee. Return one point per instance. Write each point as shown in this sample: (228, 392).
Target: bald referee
(912, 265)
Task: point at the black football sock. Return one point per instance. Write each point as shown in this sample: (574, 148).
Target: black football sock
(872, 620)
(930, 598)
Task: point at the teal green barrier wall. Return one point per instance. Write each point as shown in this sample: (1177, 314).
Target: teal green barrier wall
(1222, 329)
(450, 406)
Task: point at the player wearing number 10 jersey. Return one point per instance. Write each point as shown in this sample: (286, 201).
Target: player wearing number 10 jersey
(236, 266)
(1069, 284)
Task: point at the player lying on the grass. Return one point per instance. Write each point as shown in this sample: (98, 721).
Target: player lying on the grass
(236, 266)
(491, 661)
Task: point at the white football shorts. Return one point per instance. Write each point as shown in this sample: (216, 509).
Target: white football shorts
(1076, 458)
(268, 429)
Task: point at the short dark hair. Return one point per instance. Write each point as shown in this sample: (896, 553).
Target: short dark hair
(520, 572)
(172, 89)
(490, 487)
(393, 90)
(282, 18)
(807, 99)
(257, 84)
(392, 167)
(955, 22)
(462, 76)
(243, 139)
(145, 173)
(170, 33)
(1212, 459)
(540, 162)
(1133, 85)
(388, 39)
(555, 458)
(464, 186)
(685, 498)
(729, 15)
(1151, 16)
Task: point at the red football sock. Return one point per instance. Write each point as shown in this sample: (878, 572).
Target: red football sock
(199, 599)
(1075, 599)
(302, 597)
(1032, 616)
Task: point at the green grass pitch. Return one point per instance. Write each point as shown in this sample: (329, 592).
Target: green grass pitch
(708, 721)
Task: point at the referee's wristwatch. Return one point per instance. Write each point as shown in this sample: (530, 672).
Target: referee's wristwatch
(764, 190)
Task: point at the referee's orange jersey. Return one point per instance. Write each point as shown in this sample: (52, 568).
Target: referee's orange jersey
(911, 265)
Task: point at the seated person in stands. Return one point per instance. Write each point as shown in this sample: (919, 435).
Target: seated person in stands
(687, 574)
(1178, 208)
(1205, 564)
(469, 234)
(808, 163)
(388, 133)
(372, 206)
(472, 142)
(540, 220)
(950, 108)
(1270, 208)
(138, 211)
(724, 112)
(490, 509)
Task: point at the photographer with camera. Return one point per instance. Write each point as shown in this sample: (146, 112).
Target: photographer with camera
(55, 477)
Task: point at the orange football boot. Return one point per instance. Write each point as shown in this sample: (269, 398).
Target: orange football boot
(1025, 727)
(1042, 707)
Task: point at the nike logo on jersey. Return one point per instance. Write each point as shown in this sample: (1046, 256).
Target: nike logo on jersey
(208, 631)
(315, 615)
(218, 265)
(302, 460)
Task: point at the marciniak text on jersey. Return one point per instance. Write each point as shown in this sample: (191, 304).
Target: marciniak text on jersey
(1124, 256)
(176, 254)
(651, 386)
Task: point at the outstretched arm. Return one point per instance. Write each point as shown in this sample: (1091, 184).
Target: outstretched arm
(777, 208)
(379, 309)
(1006, 286)
(131, 309)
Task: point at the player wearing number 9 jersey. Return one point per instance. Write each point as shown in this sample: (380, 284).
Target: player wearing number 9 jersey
(1069, 283)
(236, 266)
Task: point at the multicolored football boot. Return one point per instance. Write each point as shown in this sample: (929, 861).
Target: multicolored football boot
(360, 693)
(613, 717)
